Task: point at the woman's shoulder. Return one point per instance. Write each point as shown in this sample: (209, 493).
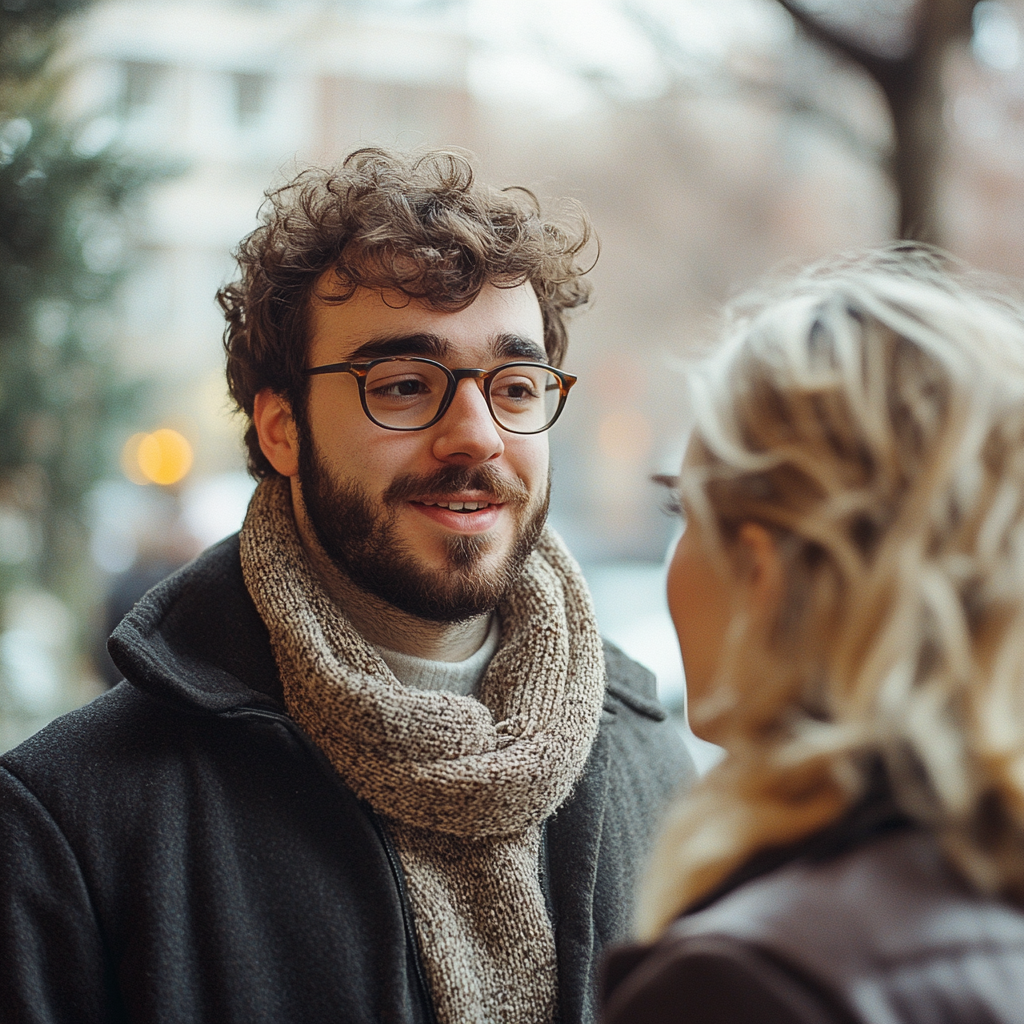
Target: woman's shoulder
(884, 923)
(883, 902)
(711, 979)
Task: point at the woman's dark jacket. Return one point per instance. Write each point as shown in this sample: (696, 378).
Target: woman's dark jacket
(865, 923)
(177, 851)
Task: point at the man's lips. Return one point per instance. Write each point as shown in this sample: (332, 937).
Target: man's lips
(463, 515)
(460, 504)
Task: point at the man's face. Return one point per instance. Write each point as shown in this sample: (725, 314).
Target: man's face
(378, 500)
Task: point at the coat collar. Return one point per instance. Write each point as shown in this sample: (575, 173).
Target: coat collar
(196, 641)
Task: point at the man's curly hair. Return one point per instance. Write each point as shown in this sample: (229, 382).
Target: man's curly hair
(417, 223)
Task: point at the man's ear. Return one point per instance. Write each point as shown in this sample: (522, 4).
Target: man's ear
(279, 437)
(762, 570)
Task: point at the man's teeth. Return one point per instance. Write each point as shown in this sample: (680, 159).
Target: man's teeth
(459, 506)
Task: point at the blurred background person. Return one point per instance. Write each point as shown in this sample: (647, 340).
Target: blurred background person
(160, 544)
(849, 597)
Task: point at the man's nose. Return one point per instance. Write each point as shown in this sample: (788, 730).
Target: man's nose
(467, 432)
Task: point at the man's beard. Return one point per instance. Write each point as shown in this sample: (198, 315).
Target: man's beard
(360, 538)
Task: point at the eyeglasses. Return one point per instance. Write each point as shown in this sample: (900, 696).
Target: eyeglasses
(412, 393)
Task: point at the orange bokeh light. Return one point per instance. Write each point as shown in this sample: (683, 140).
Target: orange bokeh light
(163, 457)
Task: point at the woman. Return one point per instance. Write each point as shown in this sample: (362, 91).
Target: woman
(849, 597)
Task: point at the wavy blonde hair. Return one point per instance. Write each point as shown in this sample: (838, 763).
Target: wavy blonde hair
(870, 414)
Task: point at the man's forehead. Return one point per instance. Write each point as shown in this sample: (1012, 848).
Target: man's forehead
(499, 323)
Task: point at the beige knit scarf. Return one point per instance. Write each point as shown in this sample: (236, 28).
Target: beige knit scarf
(462, 784)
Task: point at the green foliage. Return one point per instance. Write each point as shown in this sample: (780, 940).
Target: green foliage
(63, 221)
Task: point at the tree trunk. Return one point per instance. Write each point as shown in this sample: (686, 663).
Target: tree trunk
(918, 143)
(912, 86)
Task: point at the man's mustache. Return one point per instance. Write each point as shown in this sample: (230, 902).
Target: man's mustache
(452, 479)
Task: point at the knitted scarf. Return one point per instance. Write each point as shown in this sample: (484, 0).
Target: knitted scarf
(461, 784)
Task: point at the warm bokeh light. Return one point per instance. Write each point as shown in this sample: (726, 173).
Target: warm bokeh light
(163, 457)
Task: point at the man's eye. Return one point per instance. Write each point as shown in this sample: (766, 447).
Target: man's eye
(517, 391)
(407, 388)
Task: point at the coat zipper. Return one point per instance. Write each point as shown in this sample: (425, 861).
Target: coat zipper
(403, 896)
(385, 840)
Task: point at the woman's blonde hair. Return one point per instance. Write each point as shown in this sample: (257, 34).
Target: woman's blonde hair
(870, 414)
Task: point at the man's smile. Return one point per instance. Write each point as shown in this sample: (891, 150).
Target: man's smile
(460, 500)
(464, 515)
(458, 506)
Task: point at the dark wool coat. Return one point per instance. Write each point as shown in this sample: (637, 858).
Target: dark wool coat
(863, 923)
(178, 851)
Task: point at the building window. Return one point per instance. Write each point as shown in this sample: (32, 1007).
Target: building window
(140, 81)
(251, 91)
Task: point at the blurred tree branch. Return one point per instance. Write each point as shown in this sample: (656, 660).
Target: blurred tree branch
(795, 101)
(910, 78)
(902, 53)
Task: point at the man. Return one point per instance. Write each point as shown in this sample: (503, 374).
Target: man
(370, 761)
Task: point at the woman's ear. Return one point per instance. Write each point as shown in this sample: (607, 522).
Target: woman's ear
(762, 574)
(279, 437)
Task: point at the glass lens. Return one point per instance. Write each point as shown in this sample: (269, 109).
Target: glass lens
(525, 398)
(405, 392)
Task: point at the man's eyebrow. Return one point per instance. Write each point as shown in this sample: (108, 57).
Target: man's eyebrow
(512, 346)
(430, 345)
(504, 346)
